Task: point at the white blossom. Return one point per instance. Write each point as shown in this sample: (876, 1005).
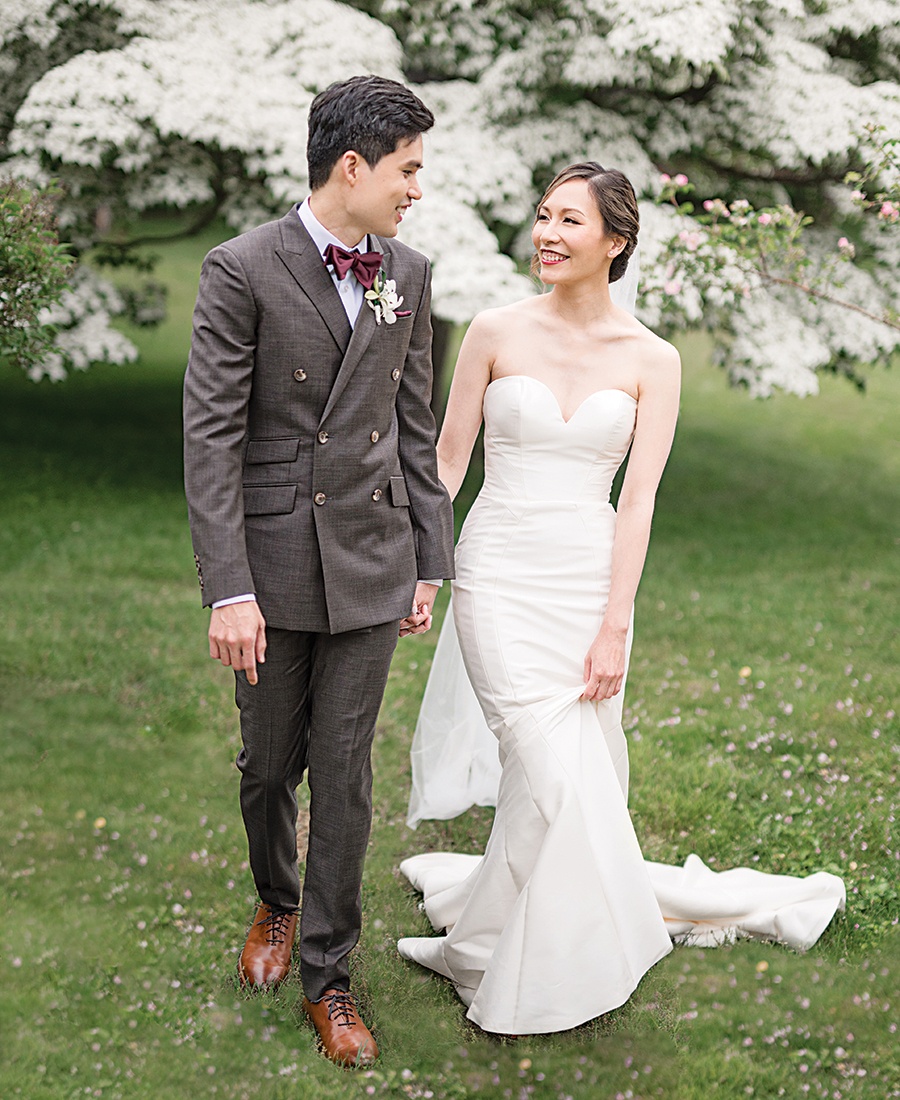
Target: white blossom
(469, 272)
(771, 350)
(86, 335)
(684, 32)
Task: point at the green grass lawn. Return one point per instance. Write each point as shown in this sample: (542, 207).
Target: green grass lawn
(761, 712)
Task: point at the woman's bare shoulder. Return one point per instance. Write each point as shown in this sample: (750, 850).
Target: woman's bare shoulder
(654, 350)
(504, 316)
(499, 323)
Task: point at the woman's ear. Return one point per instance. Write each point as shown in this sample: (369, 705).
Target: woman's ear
(617, 246)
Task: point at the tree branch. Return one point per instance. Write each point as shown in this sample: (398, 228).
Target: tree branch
(821, 295)
(692, 93)
(800, 177)
(208, 216)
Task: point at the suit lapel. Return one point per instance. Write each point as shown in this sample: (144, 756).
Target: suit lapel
(300, 257)
(363, 331)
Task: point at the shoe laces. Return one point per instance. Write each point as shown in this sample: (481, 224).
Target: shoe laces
(277, 920)
(341, 1005)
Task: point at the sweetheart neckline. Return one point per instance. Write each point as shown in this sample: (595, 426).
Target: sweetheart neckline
(543, 385)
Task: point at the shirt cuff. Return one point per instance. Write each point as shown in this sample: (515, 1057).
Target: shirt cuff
(438, 584)
(247, 598)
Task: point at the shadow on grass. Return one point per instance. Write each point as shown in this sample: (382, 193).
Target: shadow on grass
(116, 428)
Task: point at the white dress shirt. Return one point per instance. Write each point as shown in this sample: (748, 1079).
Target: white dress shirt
(349, 288)
(351, 293)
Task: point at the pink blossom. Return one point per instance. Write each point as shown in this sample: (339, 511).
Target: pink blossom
(889, 212)
(665, 178)
(672, 287)
(716, 206)
(681, 180)
(765, 219)
(691, 241)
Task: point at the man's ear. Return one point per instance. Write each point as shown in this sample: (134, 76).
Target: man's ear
(349, 166)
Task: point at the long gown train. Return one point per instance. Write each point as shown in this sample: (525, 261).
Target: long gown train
(561, 917)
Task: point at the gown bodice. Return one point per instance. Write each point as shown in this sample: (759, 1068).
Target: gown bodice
(531, 453)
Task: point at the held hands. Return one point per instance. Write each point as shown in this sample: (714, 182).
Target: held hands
(237, 637)
(604, 665)
(419, 619)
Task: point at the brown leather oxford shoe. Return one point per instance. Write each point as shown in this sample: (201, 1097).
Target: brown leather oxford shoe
(266, 958)
(344, 1038)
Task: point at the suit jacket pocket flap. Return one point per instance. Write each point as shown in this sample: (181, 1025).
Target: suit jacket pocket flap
(269, 500)
(399, 495)
(272, 450)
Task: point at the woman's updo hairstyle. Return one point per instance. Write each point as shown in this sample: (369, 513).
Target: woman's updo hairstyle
(611, 190)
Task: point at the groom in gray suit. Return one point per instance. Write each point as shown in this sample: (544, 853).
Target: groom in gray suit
(319, 526)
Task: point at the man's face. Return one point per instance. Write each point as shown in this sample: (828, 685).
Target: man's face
(382, 195)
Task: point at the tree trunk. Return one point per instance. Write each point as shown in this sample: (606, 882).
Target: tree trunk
(440, 347)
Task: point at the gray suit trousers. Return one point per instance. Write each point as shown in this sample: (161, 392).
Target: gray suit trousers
(313, 710)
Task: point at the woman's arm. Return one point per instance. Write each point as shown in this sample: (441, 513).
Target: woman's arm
(463, 417)
(658, 393)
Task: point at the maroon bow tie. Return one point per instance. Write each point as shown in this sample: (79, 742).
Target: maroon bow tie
(364, 265)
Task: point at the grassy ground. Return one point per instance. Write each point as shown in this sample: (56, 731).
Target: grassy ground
(762, 729)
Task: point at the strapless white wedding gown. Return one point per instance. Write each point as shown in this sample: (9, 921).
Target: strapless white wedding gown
(560, 918)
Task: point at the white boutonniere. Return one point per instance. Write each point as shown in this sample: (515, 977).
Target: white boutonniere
(383, 298)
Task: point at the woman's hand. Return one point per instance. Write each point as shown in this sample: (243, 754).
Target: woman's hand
(604, 665)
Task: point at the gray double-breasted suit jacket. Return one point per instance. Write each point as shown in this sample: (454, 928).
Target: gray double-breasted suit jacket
(310, 469)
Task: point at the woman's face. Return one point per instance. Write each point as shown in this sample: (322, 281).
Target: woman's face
(570, 237)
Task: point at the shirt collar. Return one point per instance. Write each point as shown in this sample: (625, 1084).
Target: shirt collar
(321, 236)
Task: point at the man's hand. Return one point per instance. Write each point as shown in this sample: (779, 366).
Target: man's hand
(237, 637)
(419, 619)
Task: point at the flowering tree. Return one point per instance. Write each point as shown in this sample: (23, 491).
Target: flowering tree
(136, 104)
(159, 120)
(765, 103)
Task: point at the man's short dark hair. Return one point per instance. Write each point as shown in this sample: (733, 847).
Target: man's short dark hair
(369, 114)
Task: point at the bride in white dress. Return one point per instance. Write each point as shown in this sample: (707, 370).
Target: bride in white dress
(560, 918)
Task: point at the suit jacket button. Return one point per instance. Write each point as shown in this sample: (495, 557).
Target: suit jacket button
(299, 375)
(322, 437)
(320, 498)
(377, 495)
(374, 437)
(395, 374)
